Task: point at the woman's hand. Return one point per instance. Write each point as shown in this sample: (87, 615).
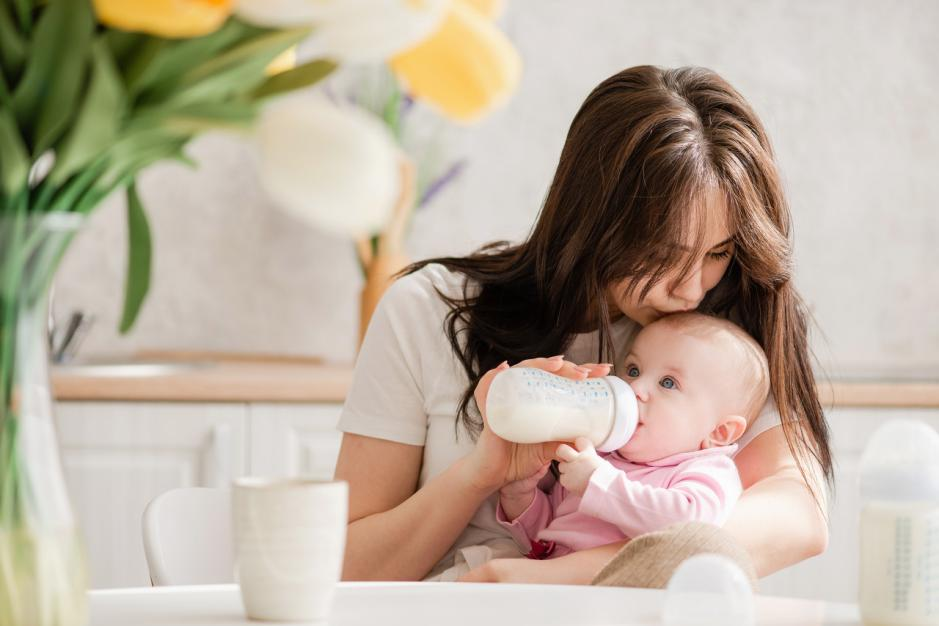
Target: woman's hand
(576, 568)
(517, 496)
(504, 571)
(494, 461)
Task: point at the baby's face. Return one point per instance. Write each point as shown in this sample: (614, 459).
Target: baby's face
(683, 385)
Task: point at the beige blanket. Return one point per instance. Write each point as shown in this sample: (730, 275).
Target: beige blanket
(649, 561)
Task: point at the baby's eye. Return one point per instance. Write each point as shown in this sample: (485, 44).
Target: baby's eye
(668, 382)
(632, 371)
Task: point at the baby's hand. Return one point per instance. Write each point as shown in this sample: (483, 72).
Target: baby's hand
(577, 466)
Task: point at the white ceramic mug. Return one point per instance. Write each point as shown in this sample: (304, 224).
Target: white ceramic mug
(290, 537)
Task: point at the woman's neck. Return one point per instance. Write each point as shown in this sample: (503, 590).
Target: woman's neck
(592, 323)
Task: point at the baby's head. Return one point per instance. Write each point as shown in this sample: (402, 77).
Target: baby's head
(699, 381)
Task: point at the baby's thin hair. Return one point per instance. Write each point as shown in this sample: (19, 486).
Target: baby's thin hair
(752, 360)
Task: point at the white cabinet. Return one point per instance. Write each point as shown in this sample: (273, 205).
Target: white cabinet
(117, 456)
(833, 576)
(294, 439)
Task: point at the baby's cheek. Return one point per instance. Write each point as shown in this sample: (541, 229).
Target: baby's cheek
(635, 442)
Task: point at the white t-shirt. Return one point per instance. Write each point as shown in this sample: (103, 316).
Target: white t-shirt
(408, 383)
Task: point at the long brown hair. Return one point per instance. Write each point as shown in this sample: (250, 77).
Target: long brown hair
(643, 149)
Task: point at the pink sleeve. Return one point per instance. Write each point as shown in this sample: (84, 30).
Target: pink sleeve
(533, 520)
(703, 492)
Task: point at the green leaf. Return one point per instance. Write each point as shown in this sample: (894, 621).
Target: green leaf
(167, 64)
(12, 44)
(139, 250)
(14, 158)
(141, 58)
(134, 151)
(237, 71)
(296, 78)
(192, 119)
(99, 119)
(23, 10)
(46, 97)
(68, 195)
(6, 100)
(123, 44)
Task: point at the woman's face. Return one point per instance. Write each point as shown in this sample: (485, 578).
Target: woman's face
(668, 296)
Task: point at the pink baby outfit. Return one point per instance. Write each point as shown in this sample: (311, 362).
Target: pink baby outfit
(625, 499)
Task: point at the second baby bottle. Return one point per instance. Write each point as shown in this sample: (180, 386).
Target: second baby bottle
(529, 405)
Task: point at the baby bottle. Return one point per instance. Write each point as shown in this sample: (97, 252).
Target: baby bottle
(899, 531)
(529, 405)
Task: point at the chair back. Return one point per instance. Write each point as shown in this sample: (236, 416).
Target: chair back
(187, 537)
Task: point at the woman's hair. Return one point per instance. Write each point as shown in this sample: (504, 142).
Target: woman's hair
(642, 152)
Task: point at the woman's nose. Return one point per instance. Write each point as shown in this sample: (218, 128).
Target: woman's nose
(691, 290)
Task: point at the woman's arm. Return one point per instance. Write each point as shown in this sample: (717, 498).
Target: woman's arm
(397, 532)
(776, 520)
(576, 568)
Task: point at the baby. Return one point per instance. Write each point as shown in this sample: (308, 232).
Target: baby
(698, 380)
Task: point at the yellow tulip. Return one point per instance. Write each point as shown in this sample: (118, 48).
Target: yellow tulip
(492, 9)
(165, 18)
(465, 69)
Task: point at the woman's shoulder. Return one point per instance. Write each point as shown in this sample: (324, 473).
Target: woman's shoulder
(430, 284)
(415, 305)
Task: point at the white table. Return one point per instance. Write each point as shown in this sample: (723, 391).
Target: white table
(442, 604)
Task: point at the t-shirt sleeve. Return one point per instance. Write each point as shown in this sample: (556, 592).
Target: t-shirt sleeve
(386, 397)
(768, 418)
(702, 490)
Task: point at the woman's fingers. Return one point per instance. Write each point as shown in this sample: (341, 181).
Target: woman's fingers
(598, 369)
(549, 364)
(568, 369)
(573, 371)
(482, 388)
(557, 365)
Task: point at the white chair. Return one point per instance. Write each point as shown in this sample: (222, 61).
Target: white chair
(187, 537)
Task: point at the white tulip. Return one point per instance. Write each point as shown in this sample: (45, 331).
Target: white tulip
(357, 31)
(282, 13)
(334, 168)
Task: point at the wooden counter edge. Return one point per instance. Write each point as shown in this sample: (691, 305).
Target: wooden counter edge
(879, 394)
(312, 384)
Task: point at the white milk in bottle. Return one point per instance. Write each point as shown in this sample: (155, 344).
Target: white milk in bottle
(529, 405)
(899, 526)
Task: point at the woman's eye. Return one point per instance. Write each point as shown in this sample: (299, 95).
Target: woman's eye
(720, 255)
(632, 371)
(668, 382)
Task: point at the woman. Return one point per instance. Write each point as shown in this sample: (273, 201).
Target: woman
(666, 198)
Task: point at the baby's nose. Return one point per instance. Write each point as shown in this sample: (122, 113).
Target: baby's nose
(642, 394)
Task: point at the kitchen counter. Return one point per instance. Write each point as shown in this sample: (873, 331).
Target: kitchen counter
(880, 393)
(212, 377)
(204, 377)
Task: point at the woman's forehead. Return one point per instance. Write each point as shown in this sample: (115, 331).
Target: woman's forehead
(711, 225)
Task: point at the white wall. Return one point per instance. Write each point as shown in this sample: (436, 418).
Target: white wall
(849, 91)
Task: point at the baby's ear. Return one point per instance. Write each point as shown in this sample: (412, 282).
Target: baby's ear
(729, 430)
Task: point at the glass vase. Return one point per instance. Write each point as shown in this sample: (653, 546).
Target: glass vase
(43, 577)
